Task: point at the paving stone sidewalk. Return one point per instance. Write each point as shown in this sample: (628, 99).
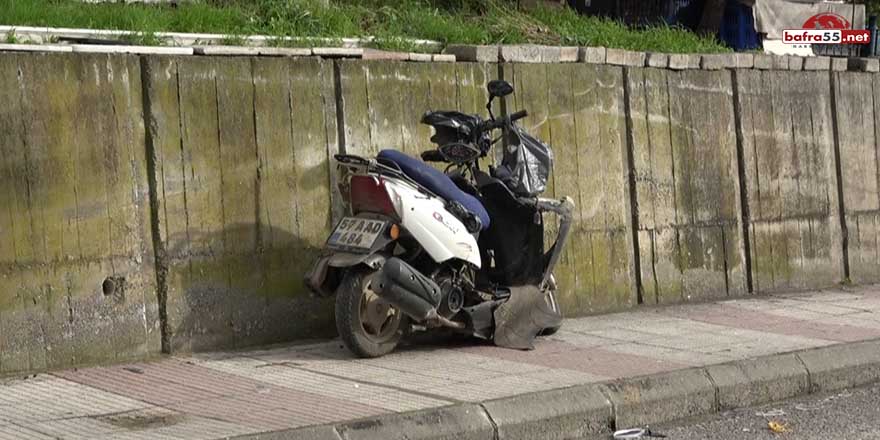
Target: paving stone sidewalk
(218, 395)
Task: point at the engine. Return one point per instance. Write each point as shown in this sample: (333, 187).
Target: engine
(454, 286)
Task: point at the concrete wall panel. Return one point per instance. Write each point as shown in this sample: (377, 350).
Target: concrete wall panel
(684, 159)
(857, 108)
(788, 148)
(242, 150)
(75, 214)
(579, 110)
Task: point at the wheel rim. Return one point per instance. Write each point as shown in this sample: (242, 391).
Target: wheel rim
(379, 320)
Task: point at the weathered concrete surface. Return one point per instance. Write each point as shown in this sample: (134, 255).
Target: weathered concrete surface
(579, 111)
(576, 412)
(466, 422)
(241, 149)
(751, 382)
(857, 116)
(788, 149)
(687, 187)
(383, 102)
(244, 192)
(661, 397)
(843, 366)
(74, 214)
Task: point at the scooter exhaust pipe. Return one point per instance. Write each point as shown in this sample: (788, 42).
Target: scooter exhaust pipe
(411, 292)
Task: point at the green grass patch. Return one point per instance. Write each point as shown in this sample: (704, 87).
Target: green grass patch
(391, 22)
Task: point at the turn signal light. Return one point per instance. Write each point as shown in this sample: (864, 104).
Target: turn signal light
(394, 232)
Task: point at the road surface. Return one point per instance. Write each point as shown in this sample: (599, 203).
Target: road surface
(849, 415)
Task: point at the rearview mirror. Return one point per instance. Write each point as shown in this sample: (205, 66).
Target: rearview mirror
(499, 88)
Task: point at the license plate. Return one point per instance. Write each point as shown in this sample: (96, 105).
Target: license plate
(356, 233)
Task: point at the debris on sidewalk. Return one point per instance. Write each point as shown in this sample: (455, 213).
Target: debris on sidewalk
(625, 434)
(771, 413)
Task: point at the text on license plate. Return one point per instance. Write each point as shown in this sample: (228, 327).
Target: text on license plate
(356, 233)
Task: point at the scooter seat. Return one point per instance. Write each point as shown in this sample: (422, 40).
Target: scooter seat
(437, 182)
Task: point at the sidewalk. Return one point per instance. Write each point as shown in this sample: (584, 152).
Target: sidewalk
(229, 394)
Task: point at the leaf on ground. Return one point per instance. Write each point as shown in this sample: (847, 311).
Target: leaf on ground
(777, 427)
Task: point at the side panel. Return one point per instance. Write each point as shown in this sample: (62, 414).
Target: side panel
(442, 235)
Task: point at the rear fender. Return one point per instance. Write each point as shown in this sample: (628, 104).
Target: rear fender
(326, 274)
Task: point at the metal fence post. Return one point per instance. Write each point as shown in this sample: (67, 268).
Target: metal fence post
(872, 27)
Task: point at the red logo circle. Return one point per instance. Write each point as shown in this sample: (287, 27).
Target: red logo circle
(827, 20)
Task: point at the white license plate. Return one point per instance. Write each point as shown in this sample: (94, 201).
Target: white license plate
(356, 233)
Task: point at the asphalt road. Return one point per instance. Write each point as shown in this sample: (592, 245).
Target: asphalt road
(848, 415)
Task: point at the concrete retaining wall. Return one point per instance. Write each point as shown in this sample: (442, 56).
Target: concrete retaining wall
(77, 282)
(195, 191)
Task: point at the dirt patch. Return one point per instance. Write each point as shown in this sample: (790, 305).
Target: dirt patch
(139, 420)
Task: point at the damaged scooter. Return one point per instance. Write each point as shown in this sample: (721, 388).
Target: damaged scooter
(423, 249)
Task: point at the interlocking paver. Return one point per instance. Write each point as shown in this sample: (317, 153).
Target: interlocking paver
(400, 401)
(216, 395)
(738, 317)
(622, 334)
(596, 361)
(681, 356)
(492, 388)
(15, 432)
(668, 326)
(559, 378)
(581, 340)
(347, 390)
(75, 428)
(50, 398)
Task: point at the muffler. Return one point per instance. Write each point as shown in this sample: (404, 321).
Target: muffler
(411, 292)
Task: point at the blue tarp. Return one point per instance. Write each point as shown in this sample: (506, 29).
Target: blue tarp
(738, 27)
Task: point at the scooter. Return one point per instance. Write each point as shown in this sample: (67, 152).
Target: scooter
(460, 249)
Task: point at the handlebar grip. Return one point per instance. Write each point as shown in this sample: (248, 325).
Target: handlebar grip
(518, 115)
(432, 156)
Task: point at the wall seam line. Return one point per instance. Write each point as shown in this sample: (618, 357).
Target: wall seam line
(745, 214)
(841, 209)
(631, 189)
(159, 250)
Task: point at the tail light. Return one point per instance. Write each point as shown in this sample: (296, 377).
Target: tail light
(368, 194)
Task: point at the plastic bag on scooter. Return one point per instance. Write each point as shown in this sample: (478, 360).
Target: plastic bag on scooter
(525, 165)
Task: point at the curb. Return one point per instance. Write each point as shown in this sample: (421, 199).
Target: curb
(594, 411)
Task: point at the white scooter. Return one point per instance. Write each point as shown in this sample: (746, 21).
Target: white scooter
(461, 249)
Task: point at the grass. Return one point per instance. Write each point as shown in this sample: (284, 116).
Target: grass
(392, 22)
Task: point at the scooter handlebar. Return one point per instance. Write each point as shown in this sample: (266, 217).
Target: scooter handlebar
(501, 123)
(518, 115)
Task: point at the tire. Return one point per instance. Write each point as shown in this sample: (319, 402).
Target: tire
(370, 329)
(554, 304)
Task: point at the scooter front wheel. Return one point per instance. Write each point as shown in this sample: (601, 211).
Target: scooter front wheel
(368, 325)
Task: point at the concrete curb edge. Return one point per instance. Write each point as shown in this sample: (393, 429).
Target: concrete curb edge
(595, 410)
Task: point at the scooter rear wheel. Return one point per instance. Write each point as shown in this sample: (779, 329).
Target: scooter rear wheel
(368, 325)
